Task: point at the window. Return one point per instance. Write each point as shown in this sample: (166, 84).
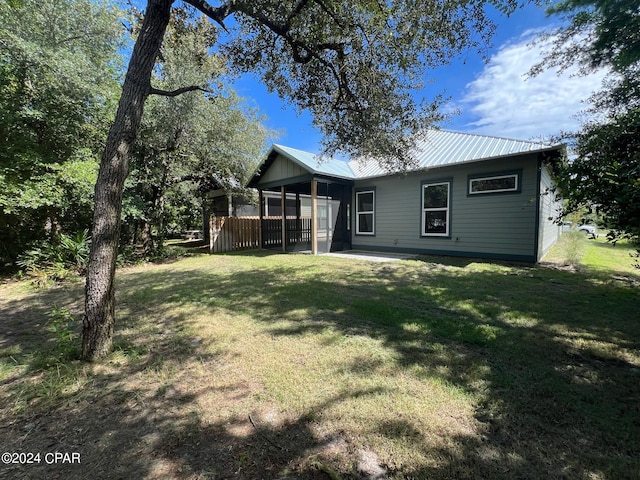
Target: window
(365, 205)
(494, 184)
(435, 209)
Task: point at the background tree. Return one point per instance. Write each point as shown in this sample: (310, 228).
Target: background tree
(353, 65)
(187, 142)
(58, 89)
(605, 173)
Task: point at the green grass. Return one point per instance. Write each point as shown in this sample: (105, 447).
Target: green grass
(596, 254)
(604, 256)
(265, 366)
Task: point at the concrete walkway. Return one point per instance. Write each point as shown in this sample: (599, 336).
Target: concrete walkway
(371, 256)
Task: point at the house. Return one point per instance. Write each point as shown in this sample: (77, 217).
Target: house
(471, 196)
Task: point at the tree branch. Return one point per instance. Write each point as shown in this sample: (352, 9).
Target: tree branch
(218, 14)
(179, 91)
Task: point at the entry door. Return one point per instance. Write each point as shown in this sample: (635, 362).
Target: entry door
(333, 204)
(341, 202)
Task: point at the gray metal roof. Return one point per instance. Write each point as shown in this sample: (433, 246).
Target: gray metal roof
(439, 148)
(315, 163)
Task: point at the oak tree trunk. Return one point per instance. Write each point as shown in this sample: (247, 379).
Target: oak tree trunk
(99, 318)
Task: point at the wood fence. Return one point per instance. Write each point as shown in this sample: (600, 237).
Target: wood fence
(229, 234)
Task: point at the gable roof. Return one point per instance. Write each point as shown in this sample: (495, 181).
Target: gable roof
(439, 148)
(310, 162)
(317, 164)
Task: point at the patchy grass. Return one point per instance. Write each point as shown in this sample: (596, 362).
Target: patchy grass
(605, 257)
(271, 366)
(597, 255)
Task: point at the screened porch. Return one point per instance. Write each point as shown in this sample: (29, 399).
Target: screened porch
(311, 216)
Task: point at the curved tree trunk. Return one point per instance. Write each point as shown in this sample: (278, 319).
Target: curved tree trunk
(99, 320)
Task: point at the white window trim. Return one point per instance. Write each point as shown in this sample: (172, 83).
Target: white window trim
(446, 209)
(367, 212)
(495, 177)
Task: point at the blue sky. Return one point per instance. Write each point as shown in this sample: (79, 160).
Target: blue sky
(494, 98)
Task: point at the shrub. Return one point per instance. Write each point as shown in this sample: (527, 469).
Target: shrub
(75, 250)
(572, 247)
(47, 262)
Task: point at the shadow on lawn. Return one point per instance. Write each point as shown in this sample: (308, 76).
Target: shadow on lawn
(547, 354)
(151, 431)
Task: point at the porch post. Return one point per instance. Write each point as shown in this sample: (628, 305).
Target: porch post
(261, 215)
(298, 222)
(283, 204)
(314, 216)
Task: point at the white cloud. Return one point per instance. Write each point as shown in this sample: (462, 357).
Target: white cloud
(503, 101)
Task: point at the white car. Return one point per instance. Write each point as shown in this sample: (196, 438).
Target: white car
(588, 230)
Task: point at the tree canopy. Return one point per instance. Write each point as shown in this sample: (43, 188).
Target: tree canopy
(59, 72)
(355, 65)
(58, 75)
(597, 33)
(605, 173)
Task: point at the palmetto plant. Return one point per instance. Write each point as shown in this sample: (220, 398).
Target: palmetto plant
(74, 249)
(46, 261)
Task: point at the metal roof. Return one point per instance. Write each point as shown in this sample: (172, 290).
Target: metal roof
(439, 148)
(317, 164)
(442, 148)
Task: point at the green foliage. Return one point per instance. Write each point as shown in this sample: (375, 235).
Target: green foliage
(132, 255)
(599, 34)
(57, 72)
(129, 254)
(605, 174)
(59, 66)
(612, 29)
(354, 65)
(75, 249)
(47, 262)
(63, 325)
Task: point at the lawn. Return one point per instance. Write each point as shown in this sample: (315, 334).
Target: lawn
(257, 365)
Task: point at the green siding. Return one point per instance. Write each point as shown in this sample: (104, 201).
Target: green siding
(280, 170)
(489, 225)
(549, 229)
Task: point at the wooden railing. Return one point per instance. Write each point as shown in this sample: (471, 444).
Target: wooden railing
(272, 232)
(298, 233)
(229, 234)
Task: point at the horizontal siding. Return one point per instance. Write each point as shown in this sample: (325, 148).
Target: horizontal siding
(486, 224)
(550, 230)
